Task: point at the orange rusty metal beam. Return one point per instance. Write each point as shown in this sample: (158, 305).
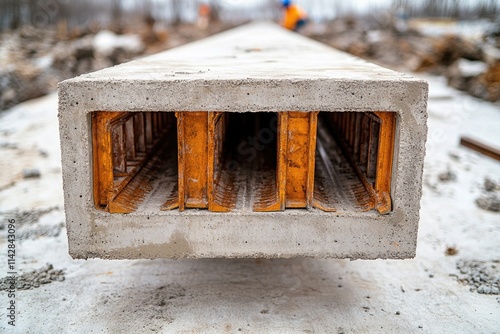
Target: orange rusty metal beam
(301, 148)
(103, 155)
(192, 132)
(385, 160)
(482, 148)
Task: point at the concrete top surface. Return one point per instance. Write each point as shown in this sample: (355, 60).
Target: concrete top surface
(257, 51)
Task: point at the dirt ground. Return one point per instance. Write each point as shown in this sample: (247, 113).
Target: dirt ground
(448, 288)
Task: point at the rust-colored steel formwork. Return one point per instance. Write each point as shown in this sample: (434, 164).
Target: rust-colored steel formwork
(351, 153)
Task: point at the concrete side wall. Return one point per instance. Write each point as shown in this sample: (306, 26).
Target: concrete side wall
(198, 234)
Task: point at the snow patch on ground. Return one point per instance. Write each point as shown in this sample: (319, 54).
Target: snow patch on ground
(105, 42)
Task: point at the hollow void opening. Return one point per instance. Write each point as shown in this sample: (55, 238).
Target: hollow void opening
(245, 161)
(135, 158)
(346, 161)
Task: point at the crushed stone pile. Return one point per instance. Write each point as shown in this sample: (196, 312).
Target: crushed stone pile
(33, 278)
(490, 199)
(482, 276)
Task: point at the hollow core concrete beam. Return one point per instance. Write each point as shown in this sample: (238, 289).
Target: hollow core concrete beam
(253, 68)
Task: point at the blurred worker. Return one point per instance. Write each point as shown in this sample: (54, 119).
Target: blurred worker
(401, 20)
(203, 16)
(294, 16)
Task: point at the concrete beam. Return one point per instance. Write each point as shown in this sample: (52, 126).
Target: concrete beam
(254, 68)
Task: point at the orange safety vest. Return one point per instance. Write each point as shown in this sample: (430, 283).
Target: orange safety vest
(204, 10)
(293, 14)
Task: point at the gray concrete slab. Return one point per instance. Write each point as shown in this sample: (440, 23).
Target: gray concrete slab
(258, 67)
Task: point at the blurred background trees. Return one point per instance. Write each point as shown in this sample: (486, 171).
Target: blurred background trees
(82, 13)
(46, 41)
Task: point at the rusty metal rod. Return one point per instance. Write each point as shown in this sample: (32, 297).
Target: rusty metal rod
(482, 148)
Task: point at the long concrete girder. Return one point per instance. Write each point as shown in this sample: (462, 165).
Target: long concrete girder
(255, 68)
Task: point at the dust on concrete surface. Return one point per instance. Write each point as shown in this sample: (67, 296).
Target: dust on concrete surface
(155, 304)
(28, 222)
(25, 217)
(447, 176)
(40, 231)
(439, 181)
(33, 279)
(482, 276)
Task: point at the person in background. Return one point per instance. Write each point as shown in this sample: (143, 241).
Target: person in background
(294, 17)
(401, 21)
(203, 16)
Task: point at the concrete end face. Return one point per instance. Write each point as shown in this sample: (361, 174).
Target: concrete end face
(233, 77)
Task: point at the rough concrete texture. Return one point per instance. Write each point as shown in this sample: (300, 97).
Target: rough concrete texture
(258, 67)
